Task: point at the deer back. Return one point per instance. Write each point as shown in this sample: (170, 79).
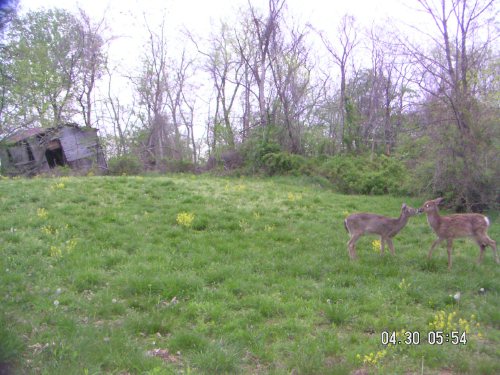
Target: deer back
(453, 226)
(461, 225)
(368, 223)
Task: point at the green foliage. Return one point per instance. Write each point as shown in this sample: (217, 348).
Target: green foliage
(126, 164)
(260, 143)
(363, 175)
(316, 142)
(351, 131)
(224, 136)
(367, 175)
(349, 174)
(46, 57)
(282, 163)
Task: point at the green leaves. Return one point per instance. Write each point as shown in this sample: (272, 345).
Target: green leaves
(44, 67)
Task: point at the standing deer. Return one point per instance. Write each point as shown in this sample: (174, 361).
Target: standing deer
(387, 227)
(459, 225)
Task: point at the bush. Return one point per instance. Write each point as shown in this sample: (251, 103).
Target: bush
(126, 164)
(260, 143)
(360, 175)
(283, 163)
(177, 166)
(350, 174)
(228, 160)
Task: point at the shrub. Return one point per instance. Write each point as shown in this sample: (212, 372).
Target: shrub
(362, 175)
(177, 166)
(260, 143)
(283, 162)
(227, 160)
(125, 164)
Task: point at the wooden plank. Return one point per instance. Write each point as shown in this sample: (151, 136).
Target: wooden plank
(78, 144)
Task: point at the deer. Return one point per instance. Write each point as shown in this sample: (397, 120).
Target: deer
(456, 226)
(387, 227)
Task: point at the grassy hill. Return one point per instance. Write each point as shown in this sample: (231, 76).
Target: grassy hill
(196, 274)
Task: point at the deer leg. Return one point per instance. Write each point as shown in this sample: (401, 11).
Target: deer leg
(493, 245)
(391, 245)
(482, 245)
(351, 246)
(382, 245)
(484, 241)
(450, 243)
(481, 253)
(437, 242)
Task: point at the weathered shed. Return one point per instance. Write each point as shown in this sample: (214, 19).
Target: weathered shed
(37, 150)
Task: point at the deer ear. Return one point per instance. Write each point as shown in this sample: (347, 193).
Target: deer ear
(404, 205)
(439, 200)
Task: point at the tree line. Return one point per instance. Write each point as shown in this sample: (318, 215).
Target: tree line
(274, 86)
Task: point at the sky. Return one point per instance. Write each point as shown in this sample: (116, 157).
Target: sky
(198, 13)
(125, 18)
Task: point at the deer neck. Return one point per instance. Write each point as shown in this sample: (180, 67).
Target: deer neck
(434, 219)
(402, 220)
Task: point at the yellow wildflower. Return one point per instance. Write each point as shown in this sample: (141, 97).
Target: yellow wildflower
(55, 251)
(185, 219)
(42, 213)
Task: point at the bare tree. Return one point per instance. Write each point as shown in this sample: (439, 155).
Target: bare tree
(348, 40)
(167, 101)
(121, 116)
(163, 139)
(291, 73)
(257, 57)
(180, 107)
(388, 88)
(224, 65)
(92, 63)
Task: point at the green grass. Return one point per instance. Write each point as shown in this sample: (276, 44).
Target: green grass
(96, 273)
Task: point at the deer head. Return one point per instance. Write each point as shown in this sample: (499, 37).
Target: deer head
(431, 206)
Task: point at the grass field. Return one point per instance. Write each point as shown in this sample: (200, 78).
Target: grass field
(197, 274)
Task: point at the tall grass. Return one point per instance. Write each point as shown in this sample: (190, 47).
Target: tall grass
(195, 274)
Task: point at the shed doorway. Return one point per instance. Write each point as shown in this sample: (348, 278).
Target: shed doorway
(54, 154)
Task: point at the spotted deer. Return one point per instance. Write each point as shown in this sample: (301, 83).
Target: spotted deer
(458, 225)
(386, 227)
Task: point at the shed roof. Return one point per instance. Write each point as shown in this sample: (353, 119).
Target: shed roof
(25, 133)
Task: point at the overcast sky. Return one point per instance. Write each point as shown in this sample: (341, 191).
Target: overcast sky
(198, 13)
(126, 17)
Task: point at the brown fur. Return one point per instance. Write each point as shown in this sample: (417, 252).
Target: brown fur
(366, 223)
(459, 225)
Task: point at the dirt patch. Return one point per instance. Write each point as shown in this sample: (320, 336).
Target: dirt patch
(360, 371)
(164, 354)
